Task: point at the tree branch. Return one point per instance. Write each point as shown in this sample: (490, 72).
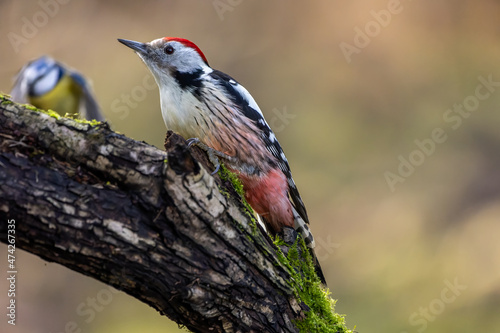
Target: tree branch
(153, 224)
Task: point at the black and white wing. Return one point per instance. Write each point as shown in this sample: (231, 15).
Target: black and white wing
(251, 110)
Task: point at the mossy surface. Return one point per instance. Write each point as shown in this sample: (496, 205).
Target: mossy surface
(76, 118)
(227, 175)
(49, 112)
(321, 316)
(5, 99)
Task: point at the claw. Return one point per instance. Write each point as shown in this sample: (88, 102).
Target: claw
(217, 167)
(193, 141)
(212, 153)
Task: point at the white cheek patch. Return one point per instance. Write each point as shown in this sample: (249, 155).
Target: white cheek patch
(47, 82)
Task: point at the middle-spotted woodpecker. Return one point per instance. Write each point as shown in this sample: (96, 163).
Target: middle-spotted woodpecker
(211, 107)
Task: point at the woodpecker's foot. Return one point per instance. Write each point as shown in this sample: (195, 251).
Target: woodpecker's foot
(213, 155)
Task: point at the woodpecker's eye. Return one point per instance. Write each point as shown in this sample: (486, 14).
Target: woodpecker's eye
(169, 49)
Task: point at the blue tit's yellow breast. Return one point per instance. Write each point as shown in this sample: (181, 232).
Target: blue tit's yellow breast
(63, 98)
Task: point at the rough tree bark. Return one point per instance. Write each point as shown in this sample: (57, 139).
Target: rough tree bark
(153, 224)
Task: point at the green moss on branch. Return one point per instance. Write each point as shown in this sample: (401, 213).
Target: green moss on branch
(321, 316)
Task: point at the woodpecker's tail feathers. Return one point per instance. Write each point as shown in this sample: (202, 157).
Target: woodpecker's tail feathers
(302, 229)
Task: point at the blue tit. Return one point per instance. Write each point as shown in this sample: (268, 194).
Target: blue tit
(48, 84)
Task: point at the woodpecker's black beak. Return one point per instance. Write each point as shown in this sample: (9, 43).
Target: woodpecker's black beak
(141, 48)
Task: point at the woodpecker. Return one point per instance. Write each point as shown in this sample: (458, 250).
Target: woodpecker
(221, 116)
(48, 84)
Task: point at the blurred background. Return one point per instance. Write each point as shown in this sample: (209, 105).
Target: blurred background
(388, 112)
